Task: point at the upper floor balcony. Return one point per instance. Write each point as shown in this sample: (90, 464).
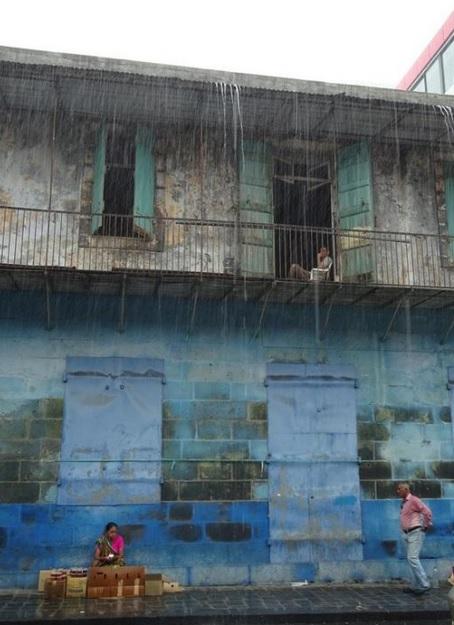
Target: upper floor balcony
(61, 251)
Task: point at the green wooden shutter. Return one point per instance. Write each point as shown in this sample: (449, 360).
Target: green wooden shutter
(449, 202)
(99, 170)
(355, 210)
(144, 179)
(256, 206)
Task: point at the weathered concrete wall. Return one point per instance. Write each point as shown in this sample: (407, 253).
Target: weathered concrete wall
(214, 424)
(214, 400)
(404, 197)
(200, 179)
(25, 153)
(404, 189)
(196, 178)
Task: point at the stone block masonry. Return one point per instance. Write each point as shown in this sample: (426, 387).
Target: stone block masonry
(213, 512)
(30, 439)
(175, 538)
(210, 445)
(199, 543)
(411, 444)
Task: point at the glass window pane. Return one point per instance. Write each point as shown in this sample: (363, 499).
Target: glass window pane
(448, 67)
(420, 85)
(433, 77)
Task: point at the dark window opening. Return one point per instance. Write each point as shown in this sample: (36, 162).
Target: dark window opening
(117, 217)
(302, 204)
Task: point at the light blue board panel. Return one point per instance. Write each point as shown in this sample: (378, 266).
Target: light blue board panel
(313, 474)
(451, 397)
(288, 501)
(111, 449)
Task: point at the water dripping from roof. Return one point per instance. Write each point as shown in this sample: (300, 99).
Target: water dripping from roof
(448, 116)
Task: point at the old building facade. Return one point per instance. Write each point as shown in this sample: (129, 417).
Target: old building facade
(160, 366)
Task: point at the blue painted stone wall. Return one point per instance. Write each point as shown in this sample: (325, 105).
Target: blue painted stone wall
(214, 425)
(182, 539)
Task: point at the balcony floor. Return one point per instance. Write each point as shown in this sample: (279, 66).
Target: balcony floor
(219, 287)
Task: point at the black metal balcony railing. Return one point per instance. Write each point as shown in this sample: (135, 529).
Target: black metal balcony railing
(31, 238)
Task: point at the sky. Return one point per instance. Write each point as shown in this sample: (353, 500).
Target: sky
(369, 42)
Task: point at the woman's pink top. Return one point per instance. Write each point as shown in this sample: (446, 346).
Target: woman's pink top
(117, 543)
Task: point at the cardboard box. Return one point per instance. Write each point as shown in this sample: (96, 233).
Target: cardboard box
(116, 582)
(136, 590)
(55, 589)
(153, 585)
(115, 592)
(111, 575)
(171, 587)
(76, 586)
(99, 592)
(45, 574)
(111, 592)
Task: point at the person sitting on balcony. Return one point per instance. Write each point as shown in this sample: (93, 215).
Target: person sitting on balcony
(324, 262)
(109, 548)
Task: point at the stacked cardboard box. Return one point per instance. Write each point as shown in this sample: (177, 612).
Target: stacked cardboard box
(46, 574)
(55, 585)
(154, 585)
(116, 582)
(126, 581)
(76, 583)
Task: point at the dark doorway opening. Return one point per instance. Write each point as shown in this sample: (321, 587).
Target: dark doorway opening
(119, 182)
(302, 205)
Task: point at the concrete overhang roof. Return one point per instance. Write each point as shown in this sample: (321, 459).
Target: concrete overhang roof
(164, 94)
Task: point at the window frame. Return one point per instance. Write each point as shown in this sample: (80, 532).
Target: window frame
(155, 241)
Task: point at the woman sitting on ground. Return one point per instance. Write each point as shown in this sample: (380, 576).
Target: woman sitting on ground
(109, 548)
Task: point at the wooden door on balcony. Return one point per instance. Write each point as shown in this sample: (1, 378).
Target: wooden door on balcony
(355, 209)
(144, 180)
(449, 202)
(256, 207)
(99, 171)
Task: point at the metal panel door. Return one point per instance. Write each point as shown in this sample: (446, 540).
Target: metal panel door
(111, 448)
(354, 188)
(256, 206)
(315, 509)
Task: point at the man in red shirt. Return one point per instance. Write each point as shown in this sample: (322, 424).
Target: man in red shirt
(415, 519)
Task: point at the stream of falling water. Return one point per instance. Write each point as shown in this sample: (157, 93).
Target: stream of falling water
(232, 91)
(448, 117)
(221, 87)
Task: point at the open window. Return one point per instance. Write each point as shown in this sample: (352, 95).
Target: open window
(123, 182)
(302, 204)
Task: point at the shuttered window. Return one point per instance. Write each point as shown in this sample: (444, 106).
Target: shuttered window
(449, 202)
(355, 208)
(121, 171)
(256, 207)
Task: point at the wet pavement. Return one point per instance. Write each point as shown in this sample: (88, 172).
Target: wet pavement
(365, 604)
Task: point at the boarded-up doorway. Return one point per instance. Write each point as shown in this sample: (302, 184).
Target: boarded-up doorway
(314, 502)
(111, 449)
